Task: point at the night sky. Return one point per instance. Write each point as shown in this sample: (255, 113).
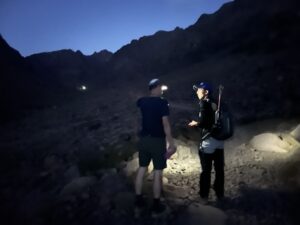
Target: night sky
(33, 26)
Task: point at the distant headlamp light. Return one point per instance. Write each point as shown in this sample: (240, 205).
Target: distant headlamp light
(82, 88)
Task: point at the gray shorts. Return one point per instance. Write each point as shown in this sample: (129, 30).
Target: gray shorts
(152, 148)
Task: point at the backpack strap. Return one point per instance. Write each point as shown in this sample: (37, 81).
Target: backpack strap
(216, 108)
(221, 88)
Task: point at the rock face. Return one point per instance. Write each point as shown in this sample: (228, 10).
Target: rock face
(71, 69)
(243, 46)
(40, 81)
(251, 47)
(19, 87)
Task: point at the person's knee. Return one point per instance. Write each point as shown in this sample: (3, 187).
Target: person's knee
(142, 170)
(157, 172)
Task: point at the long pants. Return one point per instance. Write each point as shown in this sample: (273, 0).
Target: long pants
(206, 163)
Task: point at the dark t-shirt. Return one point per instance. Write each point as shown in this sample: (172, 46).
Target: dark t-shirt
(153, 109)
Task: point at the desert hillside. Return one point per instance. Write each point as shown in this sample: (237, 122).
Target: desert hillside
(68, 129)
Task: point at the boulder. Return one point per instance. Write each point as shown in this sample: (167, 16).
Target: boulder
(185, 151)
(201, 214)
(52, 163)
(72, 173)
(78, 185)
(176, 191)
(124, 201)
(111, 184)
(270, 142)
(131, 167)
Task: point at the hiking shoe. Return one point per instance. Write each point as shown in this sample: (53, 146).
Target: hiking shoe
(223, 199)
(140, 202)
(139, 207)
(158, 209)
(203, 200)
(222, 202)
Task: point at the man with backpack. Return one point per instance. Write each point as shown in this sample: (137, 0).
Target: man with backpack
(154, 135)
(210, 149)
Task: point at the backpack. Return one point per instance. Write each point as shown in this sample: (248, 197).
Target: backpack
(222, 128)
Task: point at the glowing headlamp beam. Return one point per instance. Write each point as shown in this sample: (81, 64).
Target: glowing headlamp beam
(164, 87)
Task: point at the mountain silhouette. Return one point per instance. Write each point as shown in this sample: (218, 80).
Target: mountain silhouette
(19, 87)
(251, 47)
(69, 154)
(68, 68)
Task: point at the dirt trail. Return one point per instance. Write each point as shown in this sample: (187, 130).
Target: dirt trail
(256, 187)
(52, 172)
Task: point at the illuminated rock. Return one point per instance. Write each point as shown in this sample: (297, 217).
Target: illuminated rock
(185, 151)
(131, 166)
(296, 133)
(269, 142)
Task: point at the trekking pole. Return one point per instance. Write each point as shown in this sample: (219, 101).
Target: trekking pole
(221, 87)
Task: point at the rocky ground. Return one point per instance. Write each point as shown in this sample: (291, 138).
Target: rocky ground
(64, 166)
(262, 184)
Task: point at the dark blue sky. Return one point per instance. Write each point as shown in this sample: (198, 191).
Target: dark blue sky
(33, 26)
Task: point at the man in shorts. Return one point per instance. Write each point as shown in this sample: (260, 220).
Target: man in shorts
(154, 137)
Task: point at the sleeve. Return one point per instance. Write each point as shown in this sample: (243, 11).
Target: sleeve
(165, 108)
(202, 115)
(205, 115)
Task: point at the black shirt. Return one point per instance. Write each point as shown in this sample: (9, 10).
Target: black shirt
(153, 109)
(206, 114)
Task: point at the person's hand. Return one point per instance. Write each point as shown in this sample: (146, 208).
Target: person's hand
(170, 151)
(193, 123)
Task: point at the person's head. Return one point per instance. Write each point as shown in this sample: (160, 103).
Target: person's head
(203, 90)
(156, 88)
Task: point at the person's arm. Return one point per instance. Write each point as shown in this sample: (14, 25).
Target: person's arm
(206, 115)
(202, 113)
(196, 122)
(167, 130)
(203, 120)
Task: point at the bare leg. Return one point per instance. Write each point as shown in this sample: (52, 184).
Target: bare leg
(157, 183)
(139, 180)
